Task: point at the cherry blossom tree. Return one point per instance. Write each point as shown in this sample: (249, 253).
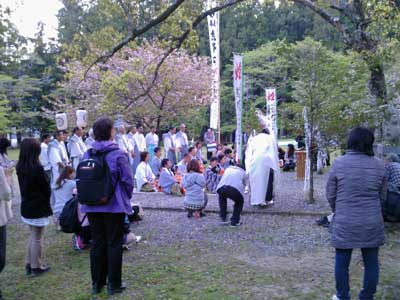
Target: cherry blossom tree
(125, 85)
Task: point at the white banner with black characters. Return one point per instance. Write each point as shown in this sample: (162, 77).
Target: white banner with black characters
(238, 91)
(213, 29)
(271, 99)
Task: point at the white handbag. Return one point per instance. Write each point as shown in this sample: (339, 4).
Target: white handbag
(5, 189)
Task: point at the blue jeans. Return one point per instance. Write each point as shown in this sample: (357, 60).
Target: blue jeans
(371, 273)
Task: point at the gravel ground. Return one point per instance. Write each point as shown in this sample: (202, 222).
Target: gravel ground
(289, 197)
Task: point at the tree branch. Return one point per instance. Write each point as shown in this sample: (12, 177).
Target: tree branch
(180, 40)
(334, 21)
(135, 33)
(346, 11)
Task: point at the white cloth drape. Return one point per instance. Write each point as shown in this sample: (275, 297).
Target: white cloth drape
(261, 156)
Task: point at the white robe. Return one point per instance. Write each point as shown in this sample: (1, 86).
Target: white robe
(141, 141)
(76, 148)
(143, 175)
(57, 154)
(261, 156)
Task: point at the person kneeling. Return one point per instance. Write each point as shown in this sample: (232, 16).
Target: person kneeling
(167, 181)
(194, 183)
(144, 176)
(232, 186)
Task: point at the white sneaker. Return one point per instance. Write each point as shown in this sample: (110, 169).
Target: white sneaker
(334, 297)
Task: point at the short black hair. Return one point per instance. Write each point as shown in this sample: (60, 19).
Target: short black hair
(361, 139)
(190, 149)
(102, 129)
(197, 143)
(164, 162)
(76, 129)
(58, 133)
(143, 155)
(213, 159)
(4, 144)
(227, 151)
(45, 137)
(220, 157)
(156, 149)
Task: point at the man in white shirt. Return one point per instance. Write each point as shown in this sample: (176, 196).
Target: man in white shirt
(151, 141)
(144, 176)
(44, 155)
(141, 141)
(169, 140)
(182, 165)
(123, 143)
(76, 147)
(58, 159)
(182, 141)
(90, 139)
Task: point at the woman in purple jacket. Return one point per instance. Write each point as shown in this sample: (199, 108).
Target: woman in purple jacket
(107, 221)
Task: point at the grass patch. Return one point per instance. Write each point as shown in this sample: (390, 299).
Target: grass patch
(203, 269)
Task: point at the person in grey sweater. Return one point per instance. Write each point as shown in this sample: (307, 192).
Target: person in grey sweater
(194, 183)
(355, 187)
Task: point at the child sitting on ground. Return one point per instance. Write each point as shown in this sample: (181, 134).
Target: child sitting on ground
(213, 174)
(65, 190)
(155, 163)
(167, 182)
(194, 183)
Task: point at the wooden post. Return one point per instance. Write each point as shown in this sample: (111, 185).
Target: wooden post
(300, 164)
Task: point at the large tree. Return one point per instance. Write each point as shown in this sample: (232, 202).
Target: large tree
(125, 85)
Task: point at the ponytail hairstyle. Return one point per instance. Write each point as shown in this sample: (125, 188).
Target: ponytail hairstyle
(65, 174)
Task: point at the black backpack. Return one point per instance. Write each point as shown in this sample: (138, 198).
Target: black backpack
(93, 179)
(69, 220)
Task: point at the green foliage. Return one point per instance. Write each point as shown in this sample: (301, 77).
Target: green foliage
(4, 114)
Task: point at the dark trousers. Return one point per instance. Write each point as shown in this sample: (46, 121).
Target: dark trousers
(106, 251)
(3, 241)
(270, 189)
(371, 273)
(230, 192)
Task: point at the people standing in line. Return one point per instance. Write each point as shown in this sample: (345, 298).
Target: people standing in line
(5, 215)
(144, 176)
(391, 205)
(140, 139)
(90, 139)
(64, 191)
(194, 184)
(58, 158)
(35, 203)
(355, 188)
(167, 182)
(76, 147)
(232, 186)
(209, 140)
(107, 220)
(155, 163)
(135, 153)
(44, 154)
(182, 141)
(169, 140)
(152, 141)
(261, 163)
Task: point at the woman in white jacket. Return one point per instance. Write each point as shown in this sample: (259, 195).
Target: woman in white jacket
(144, 176)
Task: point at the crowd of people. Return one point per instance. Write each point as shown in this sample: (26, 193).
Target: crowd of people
(361, 190)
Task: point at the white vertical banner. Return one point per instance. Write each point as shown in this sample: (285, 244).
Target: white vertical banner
(238, 91)
(307, 131)
(272, 114)
(213, 30)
